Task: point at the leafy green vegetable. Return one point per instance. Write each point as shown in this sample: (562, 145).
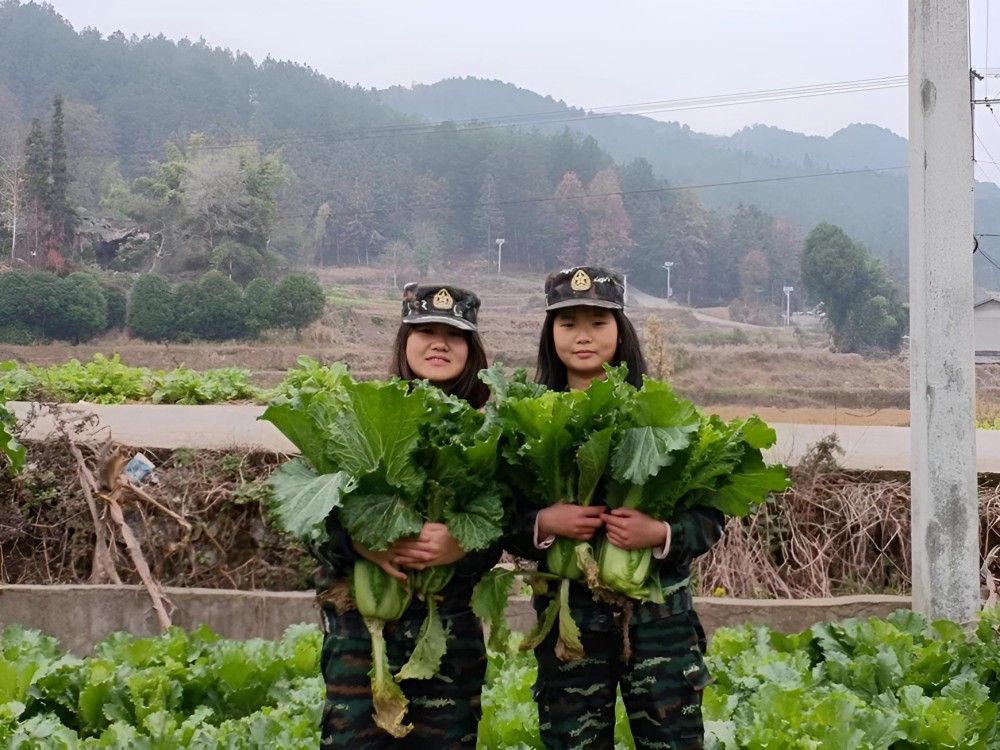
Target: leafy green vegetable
(13, 451)
(307, 498)
(386, 458)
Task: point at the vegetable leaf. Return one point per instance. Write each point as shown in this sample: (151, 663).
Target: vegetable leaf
(303, 499)
(300, 428)
(378, 431)
(379, 520)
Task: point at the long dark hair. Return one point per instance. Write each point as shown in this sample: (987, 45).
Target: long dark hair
(467, 386)
(551, 372)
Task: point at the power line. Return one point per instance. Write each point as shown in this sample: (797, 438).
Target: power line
(992, 158)
(343, 135)
(982, 252)
(553, 198)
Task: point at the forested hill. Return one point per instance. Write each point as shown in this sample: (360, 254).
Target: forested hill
(232, 163)
(870, 207)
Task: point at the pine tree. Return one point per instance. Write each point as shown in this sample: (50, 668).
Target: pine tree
(60, 212)
(36, 190)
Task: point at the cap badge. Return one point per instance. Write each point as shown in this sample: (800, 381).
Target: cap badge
(580, 281)
(443, 300)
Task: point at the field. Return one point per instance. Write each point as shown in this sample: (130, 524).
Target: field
(787, 375)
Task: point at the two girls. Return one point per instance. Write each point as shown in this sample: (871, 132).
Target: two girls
(585, 327)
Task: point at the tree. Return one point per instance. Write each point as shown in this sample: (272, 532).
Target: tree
(151, 312)
(36, 190)
(754, 274)
(425, 243)
(608, 224)
(487, 217)
(298, 301)
(238, 261)
(862, 306)
(12, 140)
(569, 210)
(61, 216)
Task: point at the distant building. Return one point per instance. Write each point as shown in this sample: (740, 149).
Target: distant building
(986, 315)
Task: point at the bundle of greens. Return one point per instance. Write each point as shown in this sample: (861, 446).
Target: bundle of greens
(379, 459)
(643, 449)
(556, 446)
(668, 458)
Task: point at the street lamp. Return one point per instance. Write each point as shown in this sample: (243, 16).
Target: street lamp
(500, 241)
(788, 304)
(668, 265)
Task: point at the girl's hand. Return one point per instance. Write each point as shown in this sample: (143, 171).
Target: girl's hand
(571, 521)
(383, 559)
(435, 546)
(633, 529)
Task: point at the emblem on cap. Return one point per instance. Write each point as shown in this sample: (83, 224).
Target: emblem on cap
(581, 281)
(443, 300)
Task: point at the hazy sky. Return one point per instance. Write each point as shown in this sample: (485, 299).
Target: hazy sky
(588, 53)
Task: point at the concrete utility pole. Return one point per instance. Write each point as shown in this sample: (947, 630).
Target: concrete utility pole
(942, 377)
(500, 241)
(787, 290)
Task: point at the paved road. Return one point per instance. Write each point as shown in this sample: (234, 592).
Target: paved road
(641, 299)
(236, 426)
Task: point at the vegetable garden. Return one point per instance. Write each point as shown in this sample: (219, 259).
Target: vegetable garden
(898, 682)
(894, 683)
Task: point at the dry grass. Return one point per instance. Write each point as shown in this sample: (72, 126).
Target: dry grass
(833, 533)
(712, 365)
(47, 534)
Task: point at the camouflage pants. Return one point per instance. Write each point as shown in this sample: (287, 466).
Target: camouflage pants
(661, 687)
(444, 710)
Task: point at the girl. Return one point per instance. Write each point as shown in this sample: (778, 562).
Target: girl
(586, 327)
(437, 341)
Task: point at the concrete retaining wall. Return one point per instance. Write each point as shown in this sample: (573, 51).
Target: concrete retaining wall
(80, 616)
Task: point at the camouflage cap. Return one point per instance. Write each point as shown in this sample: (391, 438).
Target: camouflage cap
(584, 285)
(440, 304)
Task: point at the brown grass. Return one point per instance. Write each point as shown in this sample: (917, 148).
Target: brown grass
(711, 365)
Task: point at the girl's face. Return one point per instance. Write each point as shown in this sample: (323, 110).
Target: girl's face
(585, 339)
(436, 352)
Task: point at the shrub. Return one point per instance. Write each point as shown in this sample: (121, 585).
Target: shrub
(220, 313)
(298, 301)
(151, 313)
(40, 303)
(12, 286)
(117, 304)
(82, 310)
(186, 311)
(258, 299)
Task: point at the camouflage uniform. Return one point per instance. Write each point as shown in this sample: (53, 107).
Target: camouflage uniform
(662, 682)
(445, 709)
